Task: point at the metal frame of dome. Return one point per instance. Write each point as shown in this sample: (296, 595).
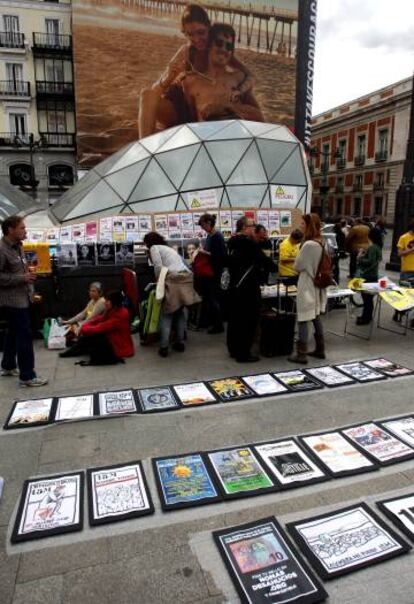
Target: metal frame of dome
(241, 160)
(13, 201)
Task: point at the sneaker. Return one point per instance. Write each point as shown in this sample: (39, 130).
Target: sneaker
(9, 372)
(36, 381)
(163, 352)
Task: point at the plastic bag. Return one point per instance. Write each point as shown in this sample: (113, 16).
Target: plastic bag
(57, 336)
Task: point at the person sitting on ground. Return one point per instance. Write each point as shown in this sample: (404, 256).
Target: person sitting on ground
(107, 337)
(95, 307)
(367, 268)
(288, 252)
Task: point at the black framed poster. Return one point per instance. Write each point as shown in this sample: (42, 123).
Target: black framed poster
(297, 380)
(158, 398)
(265, 567)
(194, 394)
(378, 443)
(117, 493)
(400, 510)
(329, 376)
(389, 368)
(80, 406)
(337, 454)
(184, 481)
(230, 389)
(346, 540)
(264, 384)
(34, 412)
(239, 472)
(402, 427)
(116, 402)
(288, 463)
(50, 505)
(360, 372)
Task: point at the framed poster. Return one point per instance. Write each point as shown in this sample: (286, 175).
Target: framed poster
(297, 380)
(329, 376)
(117, 493)
(402, 427)
(194, 394)
(124, 253)
(239, 472)
(337, 454)
(184, 481)
(49, 505)
(117, 402)
(400, 510)
(86, 254)
(264, 566)
(34, 412)
(106, 253)
(263, 384)
(382, 446)
(159, 398)
(74, 407)
(360, 372)
(230, 389)
(288, 463)
(387, 367)
(346, 540)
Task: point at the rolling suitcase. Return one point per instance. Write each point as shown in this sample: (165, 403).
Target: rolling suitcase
(277, 331)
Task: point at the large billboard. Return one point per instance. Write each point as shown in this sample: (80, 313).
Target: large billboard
(144, 65)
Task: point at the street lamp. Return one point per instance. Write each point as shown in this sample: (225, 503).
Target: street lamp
(324, 186)
(33, 145)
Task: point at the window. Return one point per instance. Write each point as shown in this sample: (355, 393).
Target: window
(14, 77)
(11, 27)
(361, 143)
(358, 182)
(378, 206)
(383, 141)
(60, 176)
(54, 71)
(18, 123)
(325, 157)
(52, 31)
(340, 182)
(357, 206)
(342, 148)
(339, 206)
(20, 174)
(56, 121)
(379, 180)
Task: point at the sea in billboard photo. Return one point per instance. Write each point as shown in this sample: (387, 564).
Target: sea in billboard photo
(135, 45)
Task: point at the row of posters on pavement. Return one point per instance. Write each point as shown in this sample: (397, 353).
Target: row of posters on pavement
(38, 412)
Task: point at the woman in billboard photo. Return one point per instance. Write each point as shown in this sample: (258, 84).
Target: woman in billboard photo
(164, 104)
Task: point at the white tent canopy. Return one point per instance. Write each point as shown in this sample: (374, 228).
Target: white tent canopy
(241, 161)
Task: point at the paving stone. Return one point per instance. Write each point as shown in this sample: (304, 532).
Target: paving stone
(79, 448)
(42, 591)
(8, 570)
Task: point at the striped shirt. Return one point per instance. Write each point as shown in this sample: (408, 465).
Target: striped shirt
(14, 291)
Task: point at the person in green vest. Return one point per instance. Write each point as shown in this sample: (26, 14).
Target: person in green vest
(367, 268)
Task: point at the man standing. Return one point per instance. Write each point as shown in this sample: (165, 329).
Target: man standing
(246, 262)
(16, 284)
(405, 248)
(288, 252)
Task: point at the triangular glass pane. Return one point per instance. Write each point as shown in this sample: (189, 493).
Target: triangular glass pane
(205, 129)
(249, 170)
(133, 155)
(202, 174)
(105, 165)
(181, 205)
(123, 181)
(184, 136)
(292, 171)
(225, 202)
(152, 184)
(160, 204)
(154, 142)
(226, 154)
(177, 163)
(258, 128)
(280, 133)
(234, 129)
(99, 198)
(273, 154)
(69, 200)
(246, 196)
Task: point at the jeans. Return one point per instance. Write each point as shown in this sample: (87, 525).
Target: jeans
(368, 310)
(18, 342)
(179, 317)
(303, 329)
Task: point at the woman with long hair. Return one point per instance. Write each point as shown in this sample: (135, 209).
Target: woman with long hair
(311, 300)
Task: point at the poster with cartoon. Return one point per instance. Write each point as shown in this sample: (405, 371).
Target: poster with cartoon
(380, 444)
(74, 407)
(230, 389)
(400, 510)
(193, 394)
(402, 427)
(113, 403)
(30, 413)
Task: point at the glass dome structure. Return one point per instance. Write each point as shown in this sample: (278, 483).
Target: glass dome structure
(241, 161)
(13, 201)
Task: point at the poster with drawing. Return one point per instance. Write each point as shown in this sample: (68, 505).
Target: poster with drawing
(113, 403)
(402, 427)
(400, 510)
(330, 376)
(49, 506)
(74, 407)
(117, 493)
(264, 567)
(264, 384)
(360, 372)
(230, 389)
(66, 254)
(289, 464)
(239, 472)
(30, 413)
(157, 399)
(337, 454)
(346, 540)
(297, 380)
(184, 481)
(378, 443)
(388, 367)
(196, 393)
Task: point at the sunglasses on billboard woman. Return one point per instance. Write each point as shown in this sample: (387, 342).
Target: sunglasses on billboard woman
(220, 43)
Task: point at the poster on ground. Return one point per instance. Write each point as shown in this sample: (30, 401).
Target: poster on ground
(30, 413)
(402, 427)
(265, 567)
(74, 407)
(360, 372)
(400, 510)
(337, 454)
(159, 398)
(297, 380)
(230, 389)
(114, 403)
(346, 540)
(329, 376)
(117, 493)
(184, 481)
(264, 384)
(389, 368)
(378, 443)
(193, 394)
(288, 463)
(239, 472)
(50, 505)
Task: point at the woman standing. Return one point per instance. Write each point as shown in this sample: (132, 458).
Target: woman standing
(367, 268)
(311, 300)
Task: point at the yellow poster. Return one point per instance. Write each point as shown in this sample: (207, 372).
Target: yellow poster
(402, 299)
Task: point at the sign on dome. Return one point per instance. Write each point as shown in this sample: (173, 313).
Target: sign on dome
(285, 196)
(202, 200)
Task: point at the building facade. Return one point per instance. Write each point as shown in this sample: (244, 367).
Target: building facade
(358, 153)
(37, 99)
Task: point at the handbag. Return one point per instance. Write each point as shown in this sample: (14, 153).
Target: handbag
(202, 266)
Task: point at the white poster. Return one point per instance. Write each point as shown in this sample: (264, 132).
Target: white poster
(119, 228)
(401, 511)
(187, 222)
(74, 407)
(131, 228)
(66, 234)
(378, 443)
(194, 394)
(225, 219)
(116, 402)
(161, 222)
(30, 412)
(78, 233)
(336, 452)
(263, 218)
(288, 462)
(285, 196)
(36, 235)
(285, 219)
(144, 223)
(274, 223)
(360, 372)
(388, 367)
(402, 428)
(67, 254)
(202, 200)
(264, 384)
(53, 235)
(235, 215)
(330, 376)
(105, 229)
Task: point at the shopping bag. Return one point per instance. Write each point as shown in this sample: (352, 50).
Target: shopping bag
(57, 336)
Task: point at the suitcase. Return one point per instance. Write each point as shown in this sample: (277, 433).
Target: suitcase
(277, 331)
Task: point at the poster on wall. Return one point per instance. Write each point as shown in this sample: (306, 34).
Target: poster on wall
(53, 235)
(388, 367)
(78, 233)
(239, 473)
(400, 510)
(203, 200)
(49, 506)
(285, 219)
(119, 228)
(264, 384)
(30, 413)
(117, 493)
(336, 454)
(161, 222)
(75, 407)
(274, 223)
(346, 540)
(66, 234)
(230, 389)
(124, 253)
(264, 566)
(379, 443)
(86, 254)
(285, 196)
(288, 463)
(67, 255)
(144, 223)
(159, 398)
(297, 380)
(113, 403)
(329, 376)
(91, 232)
(105, 253)
(105, 229)
(184, 481)
(402, 427)
(360, 372)
(193, 394)
(262, 217)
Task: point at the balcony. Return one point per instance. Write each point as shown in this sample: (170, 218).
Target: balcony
(359, 160)
(61, 90)
(341, 163)
(11, 40)
(339, 188)
(8, 139)
(378, 186)
(56, 44)
(14, 89)
(381, 156)
(357, 187)
(325, 167)
(58, 139)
